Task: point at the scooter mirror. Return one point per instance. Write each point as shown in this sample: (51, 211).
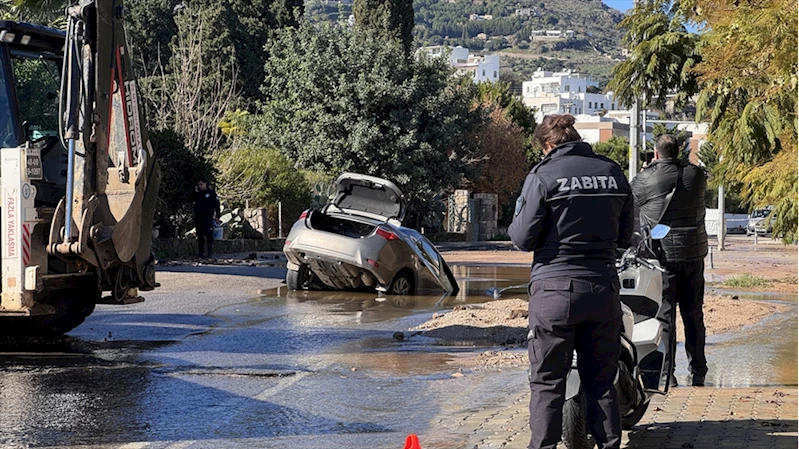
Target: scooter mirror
(660, 231)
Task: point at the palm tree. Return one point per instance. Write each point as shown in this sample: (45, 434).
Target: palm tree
(44, 12)
(663, 54)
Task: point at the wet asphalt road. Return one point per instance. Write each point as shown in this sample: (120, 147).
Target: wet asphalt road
(207, 362)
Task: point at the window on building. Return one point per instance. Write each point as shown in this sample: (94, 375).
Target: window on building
(567, 88)
(495, 74)
(549, 108)
(579, 89)
(601, 105)
(484, 72)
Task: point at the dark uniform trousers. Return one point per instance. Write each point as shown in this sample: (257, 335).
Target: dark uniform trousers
(205, 235)
(684, 284)
(567, 315)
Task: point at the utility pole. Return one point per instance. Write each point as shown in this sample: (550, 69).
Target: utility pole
(722, 221)
(635, 117)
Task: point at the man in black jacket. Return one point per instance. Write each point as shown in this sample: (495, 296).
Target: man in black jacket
(683, 250)
(206, 208)
(575, 209)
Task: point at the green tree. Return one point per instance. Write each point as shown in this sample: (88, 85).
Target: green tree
(262, 177)
(391, 18)
(663, 55)
(180, 171)
(250, 23)
(150, 25)
(197, 87)
(743, 66)
(749, 95)
(616, 149)
(354, 102)
(43, 12)
(239, 31)
(680, 135)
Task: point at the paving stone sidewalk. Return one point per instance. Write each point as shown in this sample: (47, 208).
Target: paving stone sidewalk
(714, 418)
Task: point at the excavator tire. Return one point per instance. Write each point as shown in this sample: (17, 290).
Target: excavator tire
(72, 306)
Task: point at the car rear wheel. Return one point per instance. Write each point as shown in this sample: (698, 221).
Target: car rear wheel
(300, 279)
(401, 285)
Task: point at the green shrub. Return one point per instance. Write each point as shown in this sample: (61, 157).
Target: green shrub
(747, 280)
(262, 177)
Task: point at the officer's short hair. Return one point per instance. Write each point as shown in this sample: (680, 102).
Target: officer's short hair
(556, 129)
(666, 146)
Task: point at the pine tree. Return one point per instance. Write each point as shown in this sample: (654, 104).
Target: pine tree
(391, 18)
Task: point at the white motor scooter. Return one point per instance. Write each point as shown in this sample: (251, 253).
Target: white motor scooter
(643, 354)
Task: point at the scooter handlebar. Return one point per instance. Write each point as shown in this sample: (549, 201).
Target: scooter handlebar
(649, 265)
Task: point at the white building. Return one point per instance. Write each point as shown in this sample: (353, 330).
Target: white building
(481, 68)
(564, 93)
(551, 35)
(479, 17)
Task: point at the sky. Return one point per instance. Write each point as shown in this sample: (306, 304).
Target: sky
(621, 5)
(624, 5)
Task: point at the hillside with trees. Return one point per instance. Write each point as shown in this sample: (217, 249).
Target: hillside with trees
(589, 42)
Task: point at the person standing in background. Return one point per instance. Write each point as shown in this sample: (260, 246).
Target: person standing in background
(206, 210)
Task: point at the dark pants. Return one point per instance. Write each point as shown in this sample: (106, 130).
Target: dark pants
(205, 233)
(567, 315)
(684, 284)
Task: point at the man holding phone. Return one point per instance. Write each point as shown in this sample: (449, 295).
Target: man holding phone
(206, 209)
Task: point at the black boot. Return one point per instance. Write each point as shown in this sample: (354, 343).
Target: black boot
(698, 380)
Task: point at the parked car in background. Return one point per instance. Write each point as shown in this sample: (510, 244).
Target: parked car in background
(356, 241)
(761, 221)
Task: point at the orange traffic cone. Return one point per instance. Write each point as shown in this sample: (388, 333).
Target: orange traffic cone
(412, 442)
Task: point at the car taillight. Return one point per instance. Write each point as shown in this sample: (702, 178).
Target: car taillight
(288, 242)
(303, 214)
(386, 234)
(373, 263)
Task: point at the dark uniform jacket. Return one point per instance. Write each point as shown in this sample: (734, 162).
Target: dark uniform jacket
(687, 240)
(206, 204)
(575, 209)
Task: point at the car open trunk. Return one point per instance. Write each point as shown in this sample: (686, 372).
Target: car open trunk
(339, 224)
(371, 197)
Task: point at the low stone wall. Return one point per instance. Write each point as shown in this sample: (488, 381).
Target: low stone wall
(167, 249)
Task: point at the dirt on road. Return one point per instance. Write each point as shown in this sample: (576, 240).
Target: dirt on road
(504, 322)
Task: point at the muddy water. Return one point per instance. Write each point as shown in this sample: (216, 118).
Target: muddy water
(301, 370)
(764, 354)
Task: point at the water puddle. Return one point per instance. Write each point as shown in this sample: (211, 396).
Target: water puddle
(760, 354)
(304, 365)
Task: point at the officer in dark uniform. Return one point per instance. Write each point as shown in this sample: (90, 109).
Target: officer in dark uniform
(575, 209)
(206, 208)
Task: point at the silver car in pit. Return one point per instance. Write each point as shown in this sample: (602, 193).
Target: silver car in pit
(356, 242)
